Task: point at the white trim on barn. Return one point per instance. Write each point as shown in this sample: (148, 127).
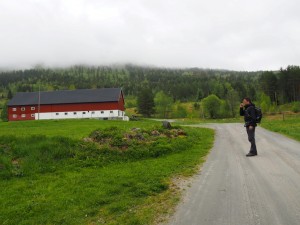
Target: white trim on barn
(102, 114)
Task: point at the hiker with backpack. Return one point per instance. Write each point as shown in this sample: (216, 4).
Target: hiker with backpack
(249, 111)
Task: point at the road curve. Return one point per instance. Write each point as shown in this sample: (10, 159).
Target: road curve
(232, 189)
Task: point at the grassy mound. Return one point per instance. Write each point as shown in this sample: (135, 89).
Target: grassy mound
(113, 175)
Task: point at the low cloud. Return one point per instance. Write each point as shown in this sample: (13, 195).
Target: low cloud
(238, 35)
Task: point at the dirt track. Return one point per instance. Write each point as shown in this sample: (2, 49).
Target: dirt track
(235, 190)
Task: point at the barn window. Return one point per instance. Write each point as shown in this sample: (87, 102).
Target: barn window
(32, 108)
(93, 112)
(23, 115)
(74, 113)
(111, 111)
(32, 115)
(83, 113)
(14, 109)
(57, 114)
(23, 109)
(102, 112)
(14, 115)
(66, 113)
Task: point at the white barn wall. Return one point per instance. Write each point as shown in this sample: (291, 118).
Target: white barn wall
(81, 115)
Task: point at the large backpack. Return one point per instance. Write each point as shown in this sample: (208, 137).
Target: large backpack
(258, 114)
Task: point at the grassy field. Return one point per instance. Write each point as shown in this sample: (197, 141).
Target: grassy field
(50, 175)
(288, 125)
(187, 121)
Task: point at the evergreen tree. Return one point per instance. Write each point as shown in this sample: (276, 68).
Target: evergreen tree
(145, 102)
(9, 94)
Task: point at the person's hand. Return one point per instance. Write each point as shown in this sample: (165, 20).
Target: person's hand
(241, 105)
(250, 127)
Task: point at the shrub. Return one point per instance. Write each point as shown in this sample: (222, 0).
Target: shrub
(296, 107)
(211, 105)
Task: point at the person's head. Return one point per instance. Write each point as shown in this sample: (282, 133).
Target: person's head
(247, 101)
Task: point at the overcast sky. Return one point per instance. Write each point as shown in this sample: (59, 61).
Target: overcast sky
(232, 34)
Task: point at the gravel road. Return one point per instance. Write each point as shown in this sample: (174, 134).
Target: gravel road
(237, 190)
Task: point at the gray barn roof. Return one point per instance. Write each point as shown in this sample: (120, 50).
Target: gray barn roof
(66, 97)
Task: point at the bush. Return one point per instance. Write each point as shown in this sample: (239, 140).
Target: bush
(211, 105)
(296, 107)
(4, 114)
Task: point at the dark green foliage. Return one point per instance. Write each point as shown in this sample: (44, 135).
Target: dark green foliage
(196, 105)
(4, 113)
(296, 107)
(269, 83)
(9, 94)
(180, 84)
(143, 83)
(145, 102)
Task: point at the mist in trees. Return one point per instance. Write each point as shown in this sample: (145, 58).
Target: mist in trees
(165, 87)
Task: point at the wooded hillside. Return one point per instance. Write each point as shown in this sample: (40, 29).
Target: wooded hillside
(191, 84)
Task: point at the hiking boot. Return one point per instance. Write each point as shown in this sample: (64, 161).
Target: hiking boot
(251, 154)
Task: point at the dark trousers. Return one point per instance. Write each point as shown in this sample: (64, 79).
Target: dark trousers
(251, 139)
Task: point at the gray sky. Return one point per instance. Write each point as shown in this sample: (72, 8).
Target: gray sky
(232, 34)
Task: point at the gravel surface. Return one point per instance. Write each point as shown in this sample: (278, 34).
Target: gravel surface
(237, 190)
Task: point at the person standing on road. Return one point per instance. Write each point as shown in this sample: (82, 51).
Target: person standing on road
(247, 109)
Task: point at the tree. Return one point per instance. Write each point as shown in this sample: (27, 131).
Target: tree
(232, 99)
(9, 94)
(264, 102)
(163, 104)
(145, 102)
(196, 106)
(288, 84)
(72, 87)
(268, 84)
(4, 114)
(211, 105)
(180, 111)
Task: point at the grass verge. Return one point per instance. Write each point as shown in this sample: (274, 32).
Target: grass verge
(50, 179)
(290, 126)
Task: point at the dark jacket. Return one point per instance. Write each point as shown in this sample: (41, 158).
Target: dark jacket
(249, 115)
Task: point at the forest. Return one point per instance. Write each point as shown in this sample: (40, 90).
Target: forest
(161, 91)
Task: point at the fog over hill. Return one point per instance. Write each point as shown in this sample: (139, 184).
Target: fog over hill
(234, 35)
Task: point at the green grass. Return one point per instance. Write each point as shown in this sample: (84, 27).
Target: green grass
(66, 128)
(50, 176)
(188, 121)
(290, 126)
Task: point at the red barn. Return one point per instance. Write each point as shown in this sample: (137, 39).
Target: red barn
(105, 103)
